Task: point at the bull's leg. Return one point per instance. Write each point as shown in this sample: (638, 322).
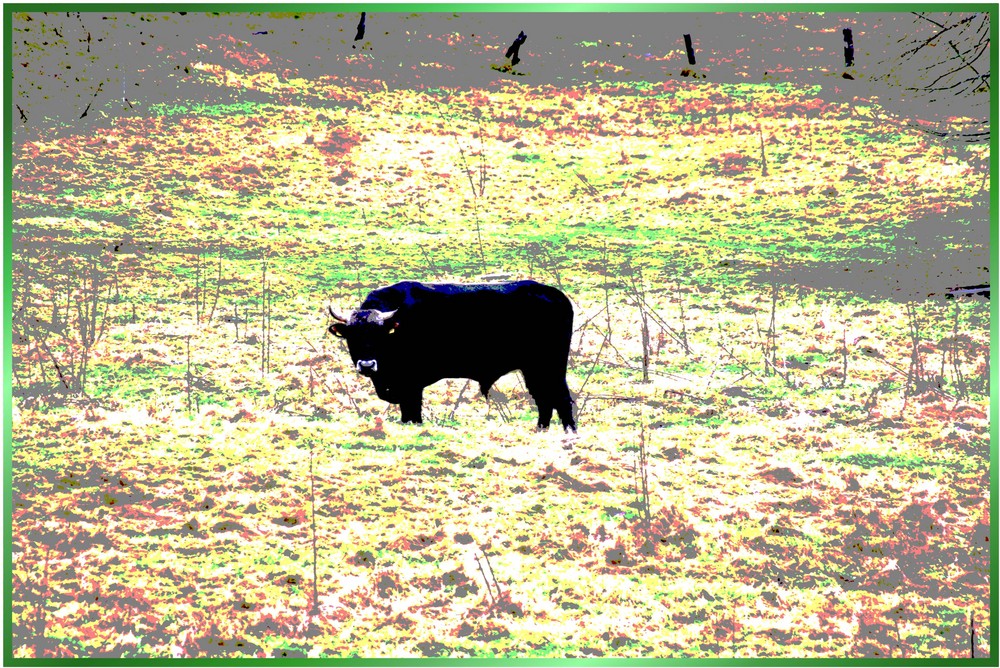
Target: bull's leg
(410, 405)
(544, 412)
(542, 396)
(564, 405)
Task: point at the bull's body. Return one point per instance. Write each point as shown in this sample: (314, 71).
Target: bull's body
(410, 335)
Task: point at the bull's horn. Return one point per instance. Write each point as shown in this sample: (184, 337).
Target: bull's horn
(384, 316)
(335, 315)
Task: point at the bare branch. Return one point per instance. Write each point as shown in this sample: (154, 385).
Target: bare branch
(924, 17)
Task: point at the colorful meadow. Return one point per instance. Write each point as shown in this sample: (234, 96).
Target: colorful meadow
(784, 425)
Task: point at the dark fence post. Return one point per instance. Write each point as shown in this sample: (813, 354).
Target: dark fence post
(690, 49)
(848, 47)
(512, 54)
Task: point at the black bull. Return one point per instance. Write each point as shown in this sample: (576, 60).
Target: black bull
(410, 335)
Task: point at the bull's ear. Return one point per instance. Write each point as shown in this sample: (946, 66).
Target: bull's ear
(339, 329)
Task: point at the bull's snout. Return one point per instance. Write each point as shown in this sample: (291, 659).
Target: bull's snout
(367, 367)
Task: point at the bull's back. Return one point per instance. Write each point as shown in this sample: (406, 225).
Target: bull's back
(473, 330)
(512, 296)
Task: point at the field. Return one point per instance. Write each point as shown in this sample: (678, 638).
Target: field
(784, 426)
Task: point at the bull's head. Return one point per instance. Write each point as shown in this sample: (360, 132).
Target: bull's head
(366, 332)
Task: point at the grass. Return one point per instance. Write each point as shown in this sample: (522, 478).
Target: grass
(755, 478)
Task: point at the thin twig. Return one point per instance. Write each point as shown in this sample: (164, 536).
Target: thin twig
(485, 580)
(312, 503)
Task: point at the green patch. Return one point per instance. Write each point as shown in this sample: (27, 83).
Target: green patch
(870, 460)
(618, 514)
(871, 136)
(248, 108)
(805, 361)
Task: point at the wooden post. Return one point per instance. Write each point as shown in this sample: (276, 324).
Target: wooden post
(689, 48)
(848, 48)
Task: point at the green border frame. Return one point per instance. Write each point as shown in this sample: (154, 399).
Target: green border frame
(468, 8)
